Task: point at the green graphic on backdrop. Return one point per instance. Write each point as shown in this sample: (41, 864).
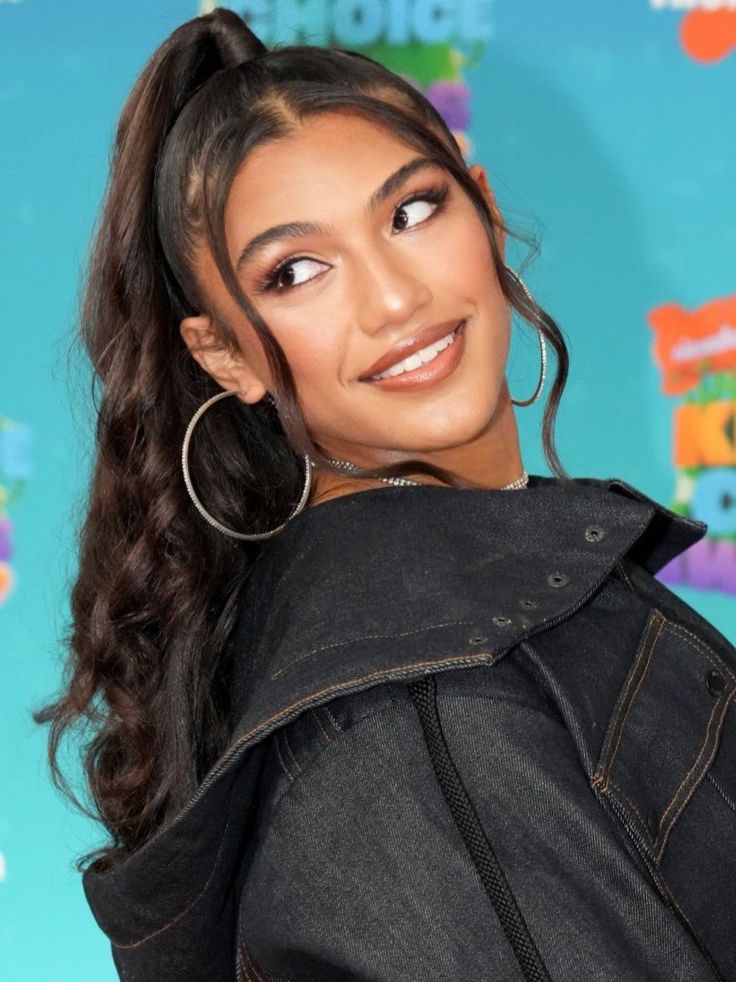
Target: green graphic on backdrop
(429, 44)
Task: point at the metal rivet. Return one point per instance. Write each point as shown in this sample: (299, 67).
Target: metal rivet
(715, 682)
(477, 639)
(501, 620)
(558, 579)
(594, 533)
(528, 603)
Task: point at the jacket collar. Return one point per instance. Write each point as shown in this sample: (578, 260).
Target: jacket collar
(382, 584)
(428, 569)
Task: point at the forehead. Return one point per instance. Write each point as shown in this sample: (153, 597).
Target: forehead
(327, 162)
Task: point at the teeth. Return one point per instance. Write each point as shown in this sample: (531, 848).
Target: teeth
(418, 358)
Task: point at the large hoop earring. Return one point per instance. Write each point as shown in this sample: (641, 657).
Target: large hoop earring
(542, 347)
(250, 536)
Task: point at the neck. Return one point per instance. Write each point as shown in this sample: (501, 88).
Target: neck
(490, 460)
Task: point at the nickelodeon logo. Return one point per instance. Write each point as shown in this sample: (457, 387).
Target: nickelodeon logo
(696, 353)
(689, 343)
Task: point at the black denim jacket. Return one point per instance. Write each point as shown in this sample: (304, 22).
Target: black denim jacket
(474, 738)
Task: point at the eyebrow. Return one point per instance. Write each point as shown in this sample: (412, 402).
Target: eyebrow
(293, 230)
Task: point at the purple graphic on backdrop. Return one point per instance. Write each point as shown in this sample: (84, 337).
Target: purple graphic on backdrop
(15, 469)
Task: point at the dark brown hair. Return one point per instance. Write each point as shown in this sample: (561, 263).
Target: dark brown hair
(156, 594)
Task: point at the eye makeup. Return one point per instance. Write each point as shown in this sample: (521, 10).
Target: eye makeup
(268, 279)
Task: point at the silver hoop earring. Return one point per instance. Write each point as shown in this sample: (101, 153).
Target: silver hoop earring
(252, 536)
(542, 347)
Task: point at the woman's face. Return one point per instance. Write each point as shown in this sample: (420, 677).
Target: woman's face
(347, 275)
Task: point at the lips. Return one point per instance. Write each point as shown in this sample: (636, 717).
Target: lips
(408, 346)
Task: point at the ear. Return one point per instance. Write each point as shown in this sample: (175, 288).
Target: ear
(479, 175)
(227, 368)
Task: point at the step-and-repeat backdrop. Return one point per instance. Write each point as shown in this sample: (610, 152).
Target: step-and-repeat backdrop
(607, 130)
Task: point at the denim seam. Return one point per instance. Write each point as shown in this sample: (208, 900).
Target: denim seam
(369, 716)
(251, 964)
(643, 826)
(287, 745)
(284, 768)
(320, 724)
(703, 746)
(318, 751)
(164, 927)
(625, 576)
(478, 657)
(642, 660)
(703, 770)
(603, 776)
(332, 719)
(704, 649)
(306, 764)
(369, 637)
(659, 880)
(721, 791)
(243, 972)
(719, 705)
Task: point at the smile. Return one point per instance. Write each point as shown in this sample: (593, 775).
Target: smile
(426, 366)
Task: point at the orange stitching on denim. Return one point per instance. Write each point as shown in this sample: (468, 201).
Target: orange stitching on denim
(704, 650)
(332, 719)
(368, 637)
(291, 752)
(599, 780)
(250, 963)
(165, 927)
(647, 652)
(695, 785)
(477, 656)
(321, 726)
(281, 759)
(644, 654)
(241, 967)
(703, 745)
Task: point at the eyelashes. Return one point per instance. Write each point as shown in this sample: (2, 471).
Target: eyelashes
(436, 195)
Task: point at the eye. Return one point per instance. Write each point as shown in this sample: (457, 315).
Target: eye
(294, 272)
(420, 207)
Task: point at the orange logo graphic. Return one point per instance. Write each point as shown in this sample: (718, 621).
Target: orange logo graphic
(709, 35)
(688, 344)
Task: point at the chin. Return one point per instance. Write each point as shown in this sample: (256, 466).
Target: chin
(453, 427)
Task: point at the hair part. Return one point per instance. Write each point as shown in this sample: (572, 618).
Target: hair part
(157, 591)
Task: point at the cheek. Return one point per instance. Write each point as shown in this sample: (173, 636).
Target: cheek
(312, 351)
(463, 257)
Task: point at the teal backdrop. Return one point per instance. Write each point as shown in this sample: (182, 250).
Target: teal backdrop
(607, 130)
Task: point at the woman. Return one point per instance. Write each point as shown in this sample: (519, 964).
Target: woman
(448, 729)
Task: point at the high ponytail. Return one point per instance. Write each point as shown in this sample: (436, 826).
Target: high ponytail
(158, 590)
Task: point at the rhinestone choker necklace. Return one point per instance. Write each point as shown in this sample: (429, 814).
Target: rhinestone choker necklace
(520, 482)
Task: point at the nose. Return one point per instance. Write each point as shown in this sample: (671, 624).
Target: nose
(391, 290)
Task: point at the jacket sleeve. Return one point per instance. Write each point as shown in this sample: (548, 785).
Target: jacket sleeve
(360, 871)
